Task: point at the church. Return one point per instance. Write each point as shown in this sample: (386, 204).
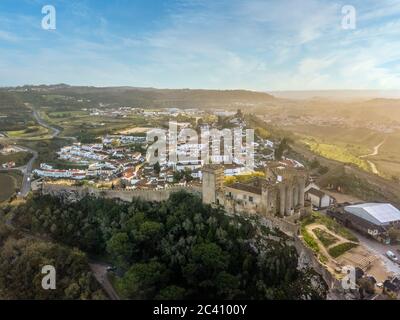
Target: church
(280, 193)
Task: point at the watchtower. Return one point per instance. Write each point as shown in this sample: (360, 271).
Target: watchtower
(212, 182)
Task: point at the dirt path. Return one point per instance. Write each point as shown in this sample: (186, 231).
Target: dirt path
(99, 270)
(310, 228)
(341, 239)
(374, 153)
(360, 256)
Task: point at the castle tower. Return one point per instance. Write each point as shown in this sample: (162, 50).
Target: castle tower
(212, 182)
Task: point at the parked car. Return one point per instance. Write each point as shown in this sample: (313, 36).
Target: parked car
(391, 256)
(110, 269)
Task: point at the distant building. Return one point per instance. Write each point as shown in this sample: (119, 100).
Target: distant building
(318, 198)
(8, 165)
(280, 193)
(310, 185)
(373, 219)
(392, 286)
(66, 174)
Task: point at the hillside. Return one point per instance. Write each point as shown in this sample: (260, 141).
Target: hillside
(155, 97)
(14, 115)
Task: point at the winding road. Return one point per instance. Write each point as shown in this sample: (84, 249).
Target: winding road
(40, 121)
(374, 153)
(27, 169)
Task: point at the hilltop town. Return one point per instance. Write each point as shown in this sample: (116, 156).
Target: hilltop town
(287, 186)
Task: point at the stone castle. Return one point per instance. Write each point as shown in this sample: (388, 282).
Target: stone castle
(280, 193)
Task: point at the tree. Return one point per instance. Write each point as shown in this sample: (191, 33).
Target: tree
(149, 230)
(210, 256)
(366, 285)
(227, 285)
(323, 169)
(120, 248)
(394, 235)
(20, 271)
(282, 148)
(142, 280)
(171, 293)
(178, 248)
(314, 164)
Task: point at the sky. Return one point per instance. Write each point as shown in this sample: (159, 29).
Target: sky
(212, 44)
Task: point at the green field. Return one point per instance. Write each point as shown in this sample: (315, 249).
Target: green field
(32, 132)
(345, 154)
(9, 182)
(46, 148)
(86, 128)
(341, 249)
(348, 144)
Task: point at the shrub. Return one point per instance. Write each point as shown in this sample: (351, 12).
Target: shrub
(326, 238)
(341, 249)
(309, 240)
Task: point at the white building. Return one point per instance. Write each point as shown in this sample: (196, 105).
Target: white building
(65, 174)
(318, 198)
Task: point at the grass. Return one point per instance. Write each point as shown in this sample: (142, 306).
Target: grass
(337, 152)
(262, 133)
(30, 132)
(46, 148)
(9, 182)
(331, 224)
(323, 259)
(309, 240)
(340, 249)
(116, 284)
(243, 178)
(326, 238)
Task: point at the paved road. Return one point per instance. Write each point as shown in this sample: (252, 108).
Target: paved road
(55, 131)
(26, 181)
(380, 250)
(99, 270)
(27, 169)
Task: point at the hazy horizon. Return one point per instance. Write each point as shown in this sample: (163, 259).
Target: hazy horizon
(287, 94)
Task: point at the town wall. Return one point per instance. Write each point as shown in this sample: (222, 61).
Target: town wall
(75, 193)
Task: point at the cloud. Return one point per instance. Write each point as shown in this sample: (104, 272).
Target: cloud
(252, 44)
(7, 36)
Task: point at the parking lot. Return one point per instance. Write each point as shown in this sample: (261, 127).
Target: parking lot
(380, 250)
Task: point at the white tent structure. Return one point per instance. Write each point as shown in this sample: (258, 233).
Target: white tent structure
(380, 214)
